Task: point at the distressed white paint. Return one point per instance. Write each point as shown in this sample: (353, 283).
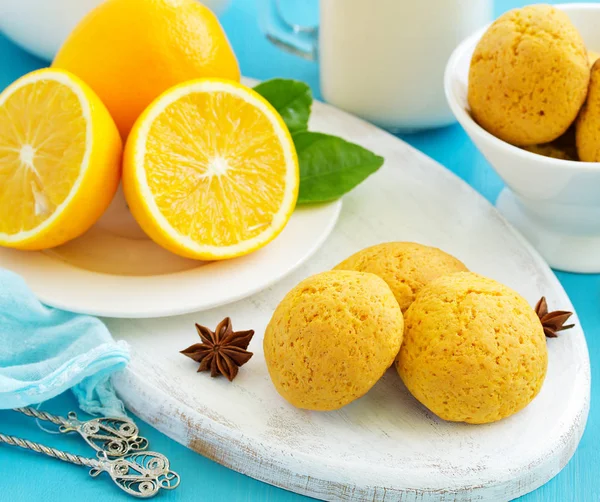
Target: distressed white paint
(384, 446)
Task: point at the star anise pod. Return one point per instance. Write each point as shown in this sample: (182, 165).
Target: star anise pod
(222, 351)
(553, 322)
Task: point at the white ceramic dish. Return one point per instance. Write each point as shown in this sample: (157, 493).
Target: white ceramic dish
(554, 203)
(385, 446)
(41, 26)
(114, 270)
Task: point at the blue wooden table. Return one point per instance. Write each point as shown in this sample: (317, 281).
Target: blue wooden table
(25, 476)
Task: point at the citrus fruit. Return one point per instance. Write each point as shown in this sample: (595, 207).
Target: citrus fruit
(210, 170)
(60, 154)
(131, 51)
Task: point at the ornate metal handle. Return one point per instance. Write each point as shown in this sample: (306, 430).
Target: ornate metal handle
(138, 474)
(50, 452)
(114, 436)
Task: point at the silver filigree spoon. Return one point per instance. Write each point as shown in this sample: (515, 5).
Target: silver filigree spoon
(114, 436)
(140, 474)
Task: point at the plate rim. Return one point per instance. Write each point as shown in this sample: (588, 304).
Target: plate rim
(176, 311)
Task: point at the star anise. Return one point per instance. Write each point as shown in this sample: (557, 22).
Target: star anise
(553, 322)
(222, 351)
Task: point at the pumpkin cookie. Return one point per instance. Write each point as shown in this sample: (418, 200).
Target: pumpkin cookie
(331, 338)
(529, 76)
(588, 124)
(473, 351)
(553, 151)
(405, 266)
(562, 148)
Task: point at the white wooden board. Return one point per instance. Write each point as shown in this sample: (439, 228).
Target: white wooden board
(384, 446)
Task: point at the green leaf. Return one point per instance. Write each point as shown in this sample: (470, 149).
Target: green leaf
(331, 166)
(291, 98)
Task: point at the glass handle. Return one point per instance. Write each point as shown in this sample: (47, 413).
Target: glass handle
(296, 39)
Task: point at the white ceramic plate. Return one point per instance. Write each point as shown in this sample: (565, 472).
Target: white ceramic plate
(114, 270)
(384, 446)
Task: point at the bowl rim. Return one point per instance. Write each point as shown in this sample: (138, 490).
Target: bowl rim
(471, 126)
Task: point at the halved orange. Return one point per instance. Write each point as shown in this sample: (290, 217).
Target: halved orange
(60, 155)
(210, 170)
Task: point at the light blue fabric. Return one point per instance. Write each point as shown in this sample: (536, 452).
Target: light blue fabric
(44, 352)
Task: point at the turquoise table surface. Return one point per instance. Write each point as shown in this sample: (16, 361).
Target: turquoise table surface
(26, 476)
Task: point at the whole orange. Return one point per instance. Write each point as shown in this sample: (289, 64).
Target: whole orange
(131, 51)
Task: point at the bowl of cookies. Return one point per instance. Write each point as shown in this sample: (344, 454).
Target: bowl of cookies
(526, 89)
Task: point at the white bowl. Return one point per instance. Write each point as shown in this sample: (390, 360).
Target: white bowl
(41, 26)
(554, 203)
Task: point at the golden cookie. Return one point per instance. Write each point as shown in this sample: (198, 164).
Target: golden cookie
(553, 151)
(331, 338)
(562, 148)
(405, 266)
(473, 351)
(529, 76)
(587, 126)
(593, 56)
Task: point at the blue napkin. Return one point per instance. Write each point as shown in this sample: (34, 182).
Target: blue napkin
(44, 352)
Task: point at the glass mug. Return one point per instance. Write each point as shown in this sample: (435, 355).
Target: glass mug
(382, 60)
